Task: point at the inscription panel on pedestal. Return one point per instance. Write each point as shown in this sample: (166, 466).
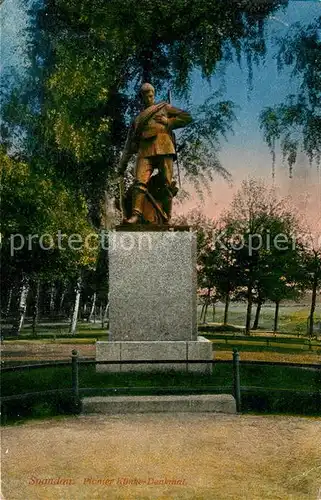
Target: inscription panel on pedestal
(152, 278)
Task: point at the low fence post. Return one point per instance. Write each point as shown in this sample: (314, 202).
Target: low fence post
(75, 379)
(236, 378)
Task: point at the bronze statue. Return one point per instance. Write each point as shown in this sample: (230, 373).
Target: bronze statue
(149, 199)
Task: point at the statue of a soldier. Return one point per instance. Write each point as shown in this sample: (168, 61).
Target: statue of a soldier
(150, 137)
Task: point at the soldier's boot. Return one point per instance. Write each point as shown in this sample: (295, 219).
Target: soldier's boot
(138, 204)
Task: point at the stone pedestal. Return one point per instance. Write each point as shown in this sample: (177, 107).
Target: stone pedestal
(152, 279)
(153, 302)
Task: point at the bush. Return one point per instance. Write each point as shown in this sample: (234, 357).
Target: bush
(281, 401)
(43, 406)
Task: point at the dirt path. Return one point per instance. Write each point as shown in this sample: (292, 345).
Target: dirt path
(29, 351)
(199, 456)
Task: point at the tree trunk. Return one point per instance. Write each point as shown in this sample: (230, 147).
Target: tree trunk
(52, 300)
(202, 313)
(226, 308)
(22, 306)
(79, 311)
(62, 298)
(8, 306)
(104, 319)
(207, 301)
(313, 304)
(213, 317)
(276, 316)
(205, 311)
(35, 308)
(93, 308)
(257, 315)
(249, 310)
(74, 317)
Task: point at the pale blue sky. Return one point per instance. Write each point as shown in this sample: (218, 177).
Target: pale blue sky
(269, 86)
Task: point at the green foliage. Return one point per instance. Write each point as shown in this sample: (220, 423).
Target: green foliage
(88, 59)
(267, 257)
(35, 205)
(199, 143)
(297, 122)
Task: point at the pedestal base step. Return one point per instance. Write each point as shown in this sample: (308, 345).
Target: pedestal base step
(200, 349)
(214, 403)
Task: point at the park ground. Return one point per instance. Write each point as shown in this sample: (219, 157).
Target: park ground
(210, 456)
(53, 342)
(25, 351)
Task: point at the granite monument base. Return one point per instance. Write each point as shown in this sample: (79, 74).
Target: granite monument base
(153, 285)
(200, 349)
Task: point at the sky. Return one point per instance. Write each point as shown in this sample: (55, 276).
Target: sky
(245, 153)
(13, 21)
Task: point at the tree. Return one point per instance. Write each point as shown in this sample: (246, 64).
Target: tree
(257, 219)
(218, 265)
(296, 123)
(39, 218)
(88, 60)
(310, 247)
(204, 228)
(282, 278)
(217, 273)
(313, 267)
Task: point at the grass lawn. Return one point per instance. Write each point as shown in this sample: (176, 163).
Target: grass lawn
(292, 318)
(257, 346)
(264, 388)
(50, 330)
(251, 375)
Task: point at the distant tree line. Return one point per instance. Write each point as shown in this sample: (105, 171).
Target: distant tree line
(258, 251)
